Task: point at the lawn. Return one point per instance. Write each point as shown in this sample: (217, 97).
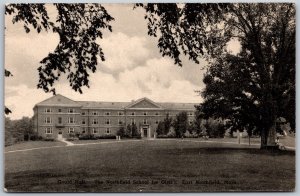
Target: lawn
(150, 166)
(33, 144)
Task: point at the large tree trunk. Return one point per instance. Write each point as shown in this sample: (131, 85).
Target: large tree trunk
(268, 137)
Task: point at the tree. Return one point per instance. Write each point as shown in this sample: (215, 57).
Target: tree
(135, 131)
(167, 124)
(77, 53)
(180, 124)
(121, 132)
(266, 33)
(160, 130)
(128, 132)
(18, 130)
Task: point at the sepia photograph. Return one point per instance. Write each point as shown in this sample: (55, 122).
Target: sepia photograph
(149, 97)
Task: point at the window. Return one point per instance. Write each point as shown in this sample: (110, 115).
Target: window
(83, 113)
(95, 121)
(71, 130)
(145, 113)
(168, 113)
(120, 122)
(95, 113)
(145, 121)
(84, 129)
(156, 122)
(71, 120)
(83, 122)
(107, 113)
(190, 122)
(120, 113)
(107, 130)
(132, 114)
(94, 130)
(191, 114)
(156, 114)
(132, 121)
(48, 120)
(48, 130)
(107, 121)
(59, 120)
(70, 110)
(48, 110)
(59, 110)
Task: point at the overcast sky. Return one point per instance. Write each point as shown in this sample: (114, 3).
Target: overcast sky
(133, 67)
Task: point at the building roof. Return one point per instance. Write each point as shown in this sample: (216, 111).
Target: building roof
(62, 100)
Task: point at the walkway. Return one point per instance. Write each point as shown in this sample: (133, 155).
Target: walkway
(70, 144)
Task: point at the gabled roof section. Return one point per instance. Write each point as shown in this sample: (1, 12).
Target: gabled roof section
(59, 100)
(102, 104)
(144, 103)
(178, 106)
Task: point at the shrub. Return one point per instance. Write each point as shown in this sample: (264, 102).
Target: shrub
(187, 134)
(171, 133)
(137, 136)
(87, 137)
(106, 137)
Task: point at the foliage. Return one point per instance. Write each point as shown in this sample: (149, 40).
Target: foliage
(121, 132)
(87, 137)
(160, 130)
(135, 132)
(181, 124)
(78, 27)
(18, 130)
(107, 136)
(183, 29)
(164, 126)
(252, 88)
(214, 128)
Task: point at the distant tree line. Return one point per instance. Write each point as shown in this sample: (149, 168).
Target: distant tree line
(19, 130)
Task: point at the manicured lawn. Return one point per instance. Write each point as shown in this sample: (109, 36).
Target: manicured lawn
(172, 165)
(33, 144)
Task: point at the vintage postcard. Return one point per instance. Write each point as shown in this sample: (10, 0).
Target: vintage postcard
(152, 97)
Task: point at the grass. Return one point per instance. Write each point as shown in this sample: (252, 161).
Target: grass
(150, 166)
(33, 144)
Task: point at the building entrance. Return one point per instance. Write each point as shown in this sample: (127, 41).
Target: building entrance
(145, 132)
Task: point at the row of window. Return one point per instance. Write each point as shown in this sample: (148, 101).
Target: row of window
(95, 113)
(71, 120)
(49, 110)
(96, 130)
(48, 120)
(49, 130)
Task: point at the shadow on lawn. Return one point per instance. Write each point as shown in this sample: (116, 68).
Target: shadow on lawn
(228, 150)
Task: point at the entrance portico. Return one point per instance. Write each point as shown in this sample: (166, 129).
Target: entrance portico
(145, 131)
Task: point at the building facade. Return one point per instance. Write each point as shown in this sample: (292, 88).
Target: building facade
(59, 116)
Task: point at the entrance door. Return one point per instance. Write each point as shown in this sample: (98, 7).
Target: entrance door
(145, 131)
(59, 136)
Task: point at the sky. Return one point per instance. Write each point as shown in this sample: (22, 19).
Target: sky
(133, 69)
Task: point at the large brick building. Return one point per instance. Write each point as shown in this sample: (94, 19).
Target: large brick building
(59, 116)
